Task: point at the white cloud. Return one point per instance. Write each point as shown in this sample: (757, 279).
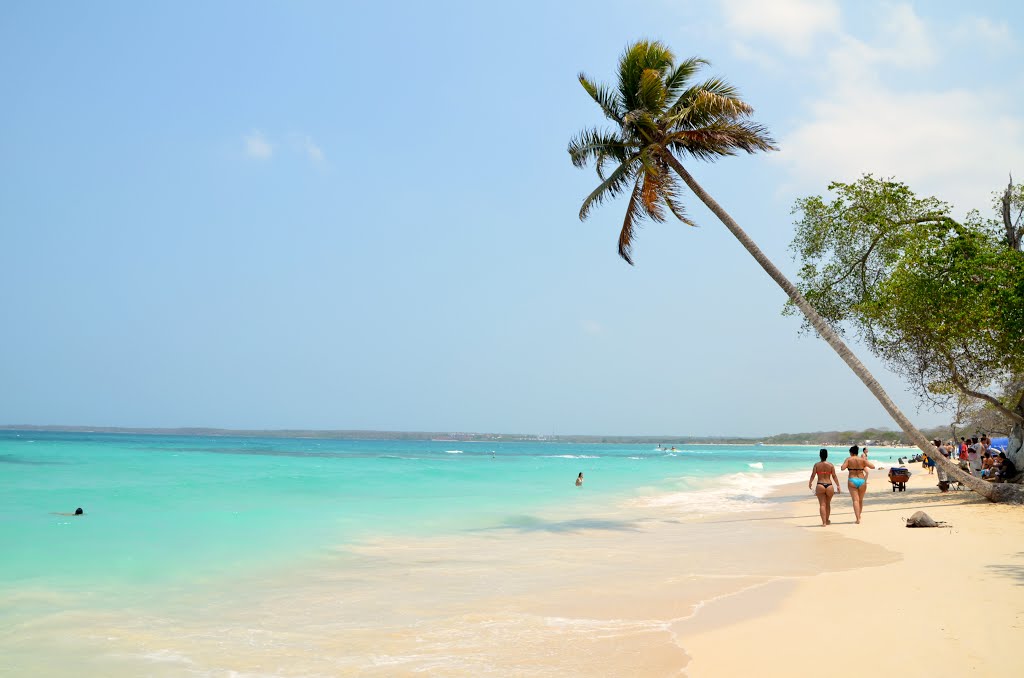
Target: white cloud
(260, 147)
(304, 144)
(592, 327)
(955, 143)
(903, 42)
(257, 146)
(791, 25)
(991, 35)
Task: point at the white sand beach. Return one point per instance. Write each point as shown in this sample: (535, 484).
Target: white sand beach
(951, 602)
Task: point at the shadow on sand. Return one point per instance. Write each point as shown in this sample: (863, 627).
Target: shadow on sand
(526, 523)
(878, 502)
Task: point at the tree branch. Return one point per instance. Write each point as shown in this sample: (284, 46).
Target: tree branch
(991, 400)
(863, 260)
(1012, 233)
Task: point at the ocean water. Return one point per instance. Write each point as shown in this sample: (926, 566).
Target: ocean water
(168, 507)
(188, 532)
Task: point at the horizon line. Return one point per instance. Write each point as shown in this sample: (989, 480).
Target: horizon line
(184, 430)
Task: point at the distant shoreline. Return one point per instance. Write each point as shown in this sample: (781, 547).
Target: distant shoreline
(834, 438)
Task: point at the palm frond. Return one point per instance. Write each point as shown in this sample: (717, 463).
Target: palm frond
(650, 93)
(593, 144)
(653, 173)
(706, 102)
(616, 154)
(640, 125)
(721, 139)
(670, 196)
(650, 196)
(639, 57)
(686, 69)
(609, 188)
(634, 214)
(603, 95)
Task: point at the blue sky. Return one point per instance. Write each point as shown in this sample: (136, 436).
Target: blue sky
(362, 215)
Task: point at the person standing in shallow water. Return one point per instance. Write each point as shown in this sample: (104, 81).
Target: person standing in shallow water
(858, 481)
(579, 479)
(828, 484)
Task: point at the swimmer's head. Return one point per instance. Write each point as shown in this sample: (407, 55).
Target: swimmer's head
(823, 453)
(79, 511)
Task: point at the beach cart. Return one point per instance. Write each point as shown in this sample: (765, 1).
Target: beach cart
(899, 476)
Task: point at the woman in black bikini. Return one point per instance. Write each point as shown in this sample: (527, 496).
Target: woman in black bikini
(828, 484)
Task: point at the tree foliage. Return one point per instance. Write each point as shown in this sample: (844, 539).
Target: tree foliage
(938, 300)
(659, 113)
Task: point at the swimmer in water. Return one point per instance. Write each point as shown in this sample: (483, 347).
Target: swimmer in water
(579, 479)
(78, 512)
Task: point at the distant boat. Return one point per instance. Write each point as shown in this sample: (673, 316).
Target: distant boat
(760, 445)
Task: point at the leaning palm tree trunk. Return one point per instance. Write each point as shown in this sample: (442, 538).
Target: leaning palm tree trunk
(991, 491)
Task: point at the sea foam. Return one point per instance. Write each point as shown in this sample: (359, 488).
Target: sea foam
(725, 494)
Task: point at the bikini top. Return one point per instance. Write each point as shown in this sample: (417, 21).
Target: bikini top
(856, 468)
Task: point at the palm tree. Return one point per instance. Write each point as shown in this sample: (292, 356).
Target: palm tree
(660, 115)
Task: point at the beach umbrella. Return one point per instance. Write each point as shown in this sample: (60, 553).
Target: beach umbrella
(1000, 443)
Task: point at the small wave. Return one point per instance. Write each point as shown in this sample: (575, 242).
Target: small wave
(453, 451)
(606, 625)
(569, 456)
(756, 464)
(637, 458)
(167, 656)
(737, 492)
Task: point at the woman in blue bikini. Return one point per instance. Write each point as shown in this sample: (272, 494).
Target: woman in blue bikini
(828, 484)
(858, 480)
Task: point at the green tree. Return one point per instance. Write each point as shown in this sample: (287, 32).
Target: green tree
(659, 115)
(939, 301)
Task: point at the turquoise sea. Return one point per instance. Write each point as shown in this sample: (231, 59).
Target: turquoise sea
(168, 507)
(172, 517)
